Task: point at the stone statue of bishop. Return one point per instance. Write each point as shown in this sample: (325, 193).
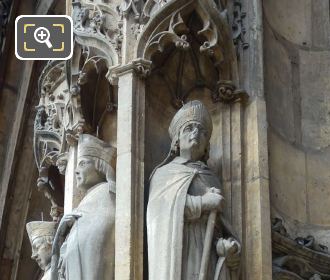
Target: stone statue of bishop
(41, 235)
(188, 239)
(84, 245)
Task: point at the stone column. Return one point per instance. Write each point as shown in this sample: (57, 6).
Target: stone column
(68, 7)
(236, 169)
(257, 233)
(130, 171)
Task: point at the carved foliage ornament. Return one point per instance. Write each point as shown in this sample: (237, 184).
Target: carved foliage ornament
(49, 131)
(143, 10)
(48, 126)
(100, 27)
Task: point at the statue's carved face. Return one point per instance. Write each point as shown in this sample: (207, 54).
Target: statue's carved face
(86, 174)
(193, 140)
(61, 164)
(41, 252)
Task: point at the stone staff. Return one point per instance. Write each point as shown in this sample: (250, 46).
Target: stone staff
(208, 241)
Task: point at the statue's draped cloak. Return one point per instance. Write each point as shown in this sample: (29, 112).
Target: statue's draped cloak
(46, 275)
(175, 223)
(89, 252)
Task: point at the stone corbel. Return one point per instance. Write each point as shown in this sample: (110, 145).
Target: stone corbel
(140, 66)
(227, 92)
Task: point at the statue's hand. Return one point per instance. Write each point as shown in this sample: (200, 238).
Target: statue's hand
(67, 222)
(231, 250)
(212, 200)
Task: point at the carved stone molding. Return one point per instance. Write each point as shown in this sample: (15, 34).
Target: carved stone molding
(48, 126)
(49, 131)
(293, 267)
(176, 34)
(176, 31)
(299, 258)
(84, 73)
(99, 27)
(151, 7)
(142, 11)
(133, 7)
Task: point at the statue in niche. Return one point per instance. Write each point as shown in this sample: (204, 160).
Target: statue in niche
(41, 235)
(84, 242)
(188, 238)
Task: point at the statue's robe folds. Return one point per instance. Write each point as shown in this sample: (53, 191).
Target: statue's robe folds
(176, 224)
(46, 275)
(89, 252)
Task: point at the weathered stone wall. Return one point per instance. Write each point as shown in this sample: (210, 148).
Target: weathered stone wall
(297, 86)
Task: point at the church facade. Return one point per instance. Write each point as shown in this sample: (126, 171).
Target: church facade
(184, 139)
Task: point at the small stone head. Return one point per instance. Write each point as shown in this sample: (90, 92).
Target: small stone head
(41, 235)
(62, 162)
(94, 163)
(190, 131)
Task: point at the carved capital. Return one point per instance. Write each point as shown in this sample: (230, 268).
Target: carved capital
(227, 92)
(142, 67)
(139, 66)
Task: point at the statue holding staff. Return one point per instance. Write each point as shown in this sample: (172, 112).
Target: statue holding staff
(188, 239)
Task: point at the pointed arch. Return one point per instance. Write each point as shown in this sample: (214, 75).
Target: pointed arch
(168, 27)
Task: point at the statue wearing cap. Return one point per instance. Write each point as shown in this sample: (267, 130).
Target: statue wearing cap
(185, 203)
(41, 235)
(84, 242)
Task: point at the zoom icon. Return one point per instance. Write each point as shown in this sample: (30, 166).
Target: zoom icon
(43, 37)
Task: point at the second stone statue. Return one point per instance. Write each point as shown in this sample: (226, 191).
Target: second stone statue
(84, 245)
(188, 237)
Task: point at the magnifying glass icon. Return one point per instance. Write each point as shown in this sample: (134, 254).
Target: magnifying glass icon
(41, 35)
